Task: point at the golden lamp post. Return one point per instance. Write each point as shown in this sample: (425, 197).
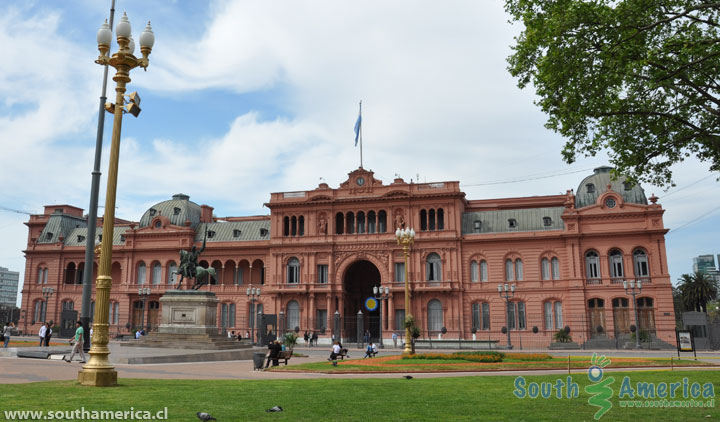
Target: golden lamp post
(98, 371)
(405, 238)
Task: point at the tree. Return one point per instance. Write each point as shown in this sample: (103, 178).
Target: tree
(697, 290)
(638, 78)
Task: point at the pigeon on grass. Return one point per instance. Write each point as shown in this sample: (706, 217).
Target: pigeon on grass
(205, 417)
(275, 409)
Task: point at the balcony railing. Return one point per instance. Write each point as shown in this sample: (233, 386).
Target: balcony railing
(616, 281)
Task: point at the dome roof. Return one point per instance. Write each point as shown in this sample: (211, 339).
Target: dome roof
(179, 210)
(596, 184)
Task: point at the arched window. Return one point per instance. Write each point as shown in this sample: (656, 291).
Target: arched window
(509, 273)
(293, 226)
(360, 222)
(68, 305)
(42, 275)
(38, 308)
(350, 223)
(423, 220)
(483, 271)
(518, 269)
(156, 273)
(474, 271)
(481, 316)
(435, 315)
(293, 315)
(141, 273)
(616, 264)
(545, 269)
(433, 267)
(172, 272)
(382, 222)
(555, 263)
(646, 314)
(592, 265)
(301, 226)
(431, 219)
(339, 223)
(70, 273)
(293, 271)
(640, 263)
(440, 219)
(371, 222)
(286, 226)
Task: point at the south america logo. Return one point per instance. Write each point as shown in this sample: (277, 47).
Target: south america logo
(600, 391)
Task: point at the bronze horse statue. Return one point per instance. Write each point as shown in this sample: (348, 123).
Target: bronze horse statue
(190, 269)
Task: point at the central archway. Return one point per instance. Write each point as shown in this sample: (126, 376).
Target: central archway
(358, 283)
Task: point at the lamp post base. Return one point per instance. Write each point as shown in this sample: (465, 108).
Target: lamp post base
(98, 377)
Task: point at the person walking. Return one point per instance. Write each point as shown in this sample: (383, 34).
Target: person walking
(366, 338)
(78, 348)
(394, 338)
(7, 330)
(43, 331)
(48, 334)
(314, 339)
(306, 337)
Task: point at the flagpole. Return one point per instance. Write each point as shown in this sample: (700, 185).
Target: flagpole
(361, 135)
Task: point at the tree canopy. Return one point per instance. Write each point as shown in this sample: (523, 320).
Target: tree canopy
(697, 290)
(638, 78)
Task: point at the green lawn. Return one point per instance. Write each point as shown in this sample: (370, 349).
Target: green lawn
(430, 399)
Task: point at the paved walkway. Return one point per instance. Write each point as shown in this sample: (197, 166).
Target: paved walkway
(20, 370)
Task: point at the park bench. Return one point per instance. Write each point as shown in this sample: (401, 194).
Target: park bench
(343, 354)
(285, 354)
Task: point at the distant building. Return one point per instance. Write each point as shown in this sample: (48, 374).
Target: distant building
(8, 286)
(321, 251)
(706, 264)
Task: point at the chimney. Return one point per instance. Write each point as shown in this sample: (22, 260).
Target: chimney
(206, 214)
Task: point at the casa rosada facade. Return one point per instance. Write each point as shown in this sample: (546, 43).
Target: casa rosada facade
(320, 252)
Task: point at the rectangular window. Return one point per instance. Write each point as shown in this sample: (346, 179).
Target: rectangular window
(521, 315)
(224, 315)
(558, 315)
(400, 272)
(485, 316)
(476, 316)
(322, 274)
(399, 319)
(509, 274)
(511, 315)
(548, 316)
(474, 271)
(518, 270)
(545, 269)
(321, 319)
(483, 271)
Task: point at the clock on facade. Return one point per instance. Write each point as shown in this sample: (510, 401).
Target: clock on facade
(610, 203)
(360, 181)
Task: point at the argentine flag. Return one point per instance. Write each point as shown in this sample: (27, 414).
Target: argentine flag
(358, 124)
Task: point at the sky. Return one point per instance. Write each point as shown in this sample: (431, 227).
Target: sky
(245, 98)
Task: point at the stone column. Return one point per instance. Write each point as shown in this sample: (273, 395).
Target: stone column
(311, 312)
(330, 310)
(391, 313)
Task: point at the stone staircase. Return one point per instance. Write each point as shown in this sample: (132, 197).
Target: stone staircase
(187, 341)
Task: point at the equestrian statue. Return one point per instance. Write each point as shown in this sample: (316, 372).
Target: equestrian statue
(190, 269)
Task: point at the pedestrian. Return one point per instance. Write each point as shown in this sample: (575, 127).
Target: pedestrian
(247, 334)
(274, 350)
(394, 338)
(314, 338)
(306, 337)
(231, 335)
(43, 331)
(78, 347)
(6, 332)
(91, 331)
(366, 338)
(48, 334)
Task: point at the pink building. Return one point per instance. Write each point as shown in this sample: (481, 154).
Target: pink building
(323, 250)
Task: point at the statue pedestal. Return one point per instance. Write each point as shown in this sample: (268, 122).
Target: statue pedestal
(188, 312)
(188, 321)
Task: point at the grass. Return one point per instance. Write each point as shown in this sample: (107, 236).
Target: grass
(396, 399)
(468, 363)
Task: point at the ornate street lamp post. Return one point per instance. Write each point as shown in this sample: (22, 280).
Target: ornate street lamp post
(47, 292)
(144, 293)
(254, 295)
(507, 292)
(98, 371)
(405, 238)
(630, 289)
(381, 294)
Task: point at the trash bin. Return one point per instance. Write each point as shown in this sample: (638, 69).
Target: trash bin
(258, 360)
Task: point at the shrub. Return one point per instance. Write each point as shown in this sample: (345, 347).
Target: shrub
(562, 336)
(528, 356)
(469, 356)
(290, 340)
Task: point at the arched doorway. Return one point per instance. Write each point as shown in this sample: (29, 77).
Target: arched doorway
(358, 284)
